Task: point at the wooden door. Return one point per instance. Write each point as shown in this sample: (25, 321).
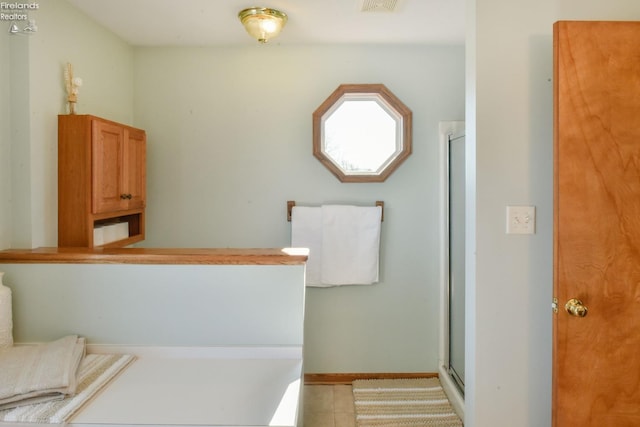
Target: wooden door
(596, 358)
(107, 146)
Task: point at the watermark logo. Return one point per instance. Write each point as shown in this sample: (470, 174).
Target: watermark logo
(18, 15)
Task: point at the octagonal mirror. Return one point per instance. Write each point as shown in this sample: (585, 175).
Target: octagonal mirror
(362, 132)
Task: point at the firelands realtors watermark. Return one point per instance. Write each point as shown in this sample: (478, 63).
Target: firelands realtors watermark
(15, 12)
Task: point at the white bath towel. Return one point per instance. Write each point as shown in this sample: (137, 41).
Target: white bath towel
(350, 244)
(343, 242)
(306, 232)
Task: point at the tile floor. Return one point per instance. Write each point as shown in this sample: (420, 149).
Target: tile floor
(328, 406)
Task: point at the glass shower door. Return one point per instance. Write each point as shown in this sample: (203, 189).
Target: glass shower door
(456, 254)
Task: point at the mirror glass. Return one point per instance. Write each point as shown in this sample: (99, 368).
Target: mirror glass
(362, 133)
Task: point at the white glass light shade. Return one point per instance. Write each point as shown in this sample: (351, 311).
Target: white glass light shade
(262, 23)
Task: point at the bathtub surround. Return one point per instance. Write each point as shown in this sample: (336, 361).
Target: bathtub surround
(344, 243)
(228, 347)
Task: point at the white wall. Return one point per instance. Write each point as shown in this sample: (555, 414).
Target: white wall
(230, 141)
(509, 117)
(510, 318)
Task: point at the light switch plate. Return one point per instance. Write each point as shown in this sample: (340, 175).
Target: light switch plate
(521, 219)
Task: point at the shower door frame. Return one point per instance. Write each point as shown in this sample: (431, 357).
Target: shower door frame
(448, 130)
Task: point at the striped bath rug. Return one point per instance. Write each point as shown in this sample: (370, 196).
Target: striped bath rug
(403, 402)
(95, 371)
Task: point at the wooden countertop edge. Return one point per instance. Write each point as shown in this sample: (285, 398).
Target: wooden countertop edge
(204, 256)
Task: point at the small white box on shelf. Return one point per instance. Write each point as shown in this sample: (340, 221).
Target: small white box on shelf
(109, 231)
(122, 230)
(98, 235)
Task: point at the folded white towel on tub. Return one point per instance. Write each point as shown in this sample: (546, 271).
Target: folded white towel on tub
(40, 373)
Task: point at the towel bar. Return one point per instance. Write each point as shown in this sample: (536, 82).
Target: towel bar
(292, 203)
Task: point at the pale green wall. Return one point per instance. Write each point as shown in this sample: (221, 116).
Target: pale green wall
(5, 138)
(37, 92)
(229, 133)
(18, 143)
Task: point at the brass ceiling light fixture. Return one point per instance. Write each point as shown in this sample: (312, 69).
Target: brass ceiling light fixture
(262, 23)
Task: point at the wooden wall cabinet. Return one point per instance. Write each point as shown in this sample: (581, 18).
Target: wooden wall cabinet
(101, 180)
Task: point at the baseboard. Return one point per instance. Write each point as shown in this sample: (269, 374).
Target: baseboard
(348, 378)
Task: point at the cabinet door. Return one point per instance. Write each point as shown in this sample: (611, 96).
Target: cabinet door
(107, 155)
(134, 167)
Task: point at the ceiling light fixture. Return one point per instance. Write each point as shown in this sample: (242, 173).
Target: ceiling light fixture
(262, 23)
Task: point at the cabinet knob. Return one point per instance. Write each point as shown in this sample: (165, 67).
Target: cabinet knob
(125, 196)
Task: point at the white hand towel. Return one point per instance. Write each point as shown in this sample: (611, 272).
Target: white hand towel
(306, 232)
(350, 245)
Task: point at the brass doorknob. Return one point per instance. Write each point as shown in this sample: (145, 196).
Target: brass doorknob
(575, 308)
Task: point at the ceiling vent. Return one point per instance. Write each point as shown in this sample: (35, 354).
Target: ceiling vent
(378, 5)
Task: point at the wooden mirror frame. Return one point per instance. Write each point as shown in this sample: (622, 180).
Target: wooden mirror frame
(377, 91)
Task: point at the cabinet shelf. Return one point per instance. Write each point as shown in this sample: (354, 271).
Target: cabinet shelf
(134, 221)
